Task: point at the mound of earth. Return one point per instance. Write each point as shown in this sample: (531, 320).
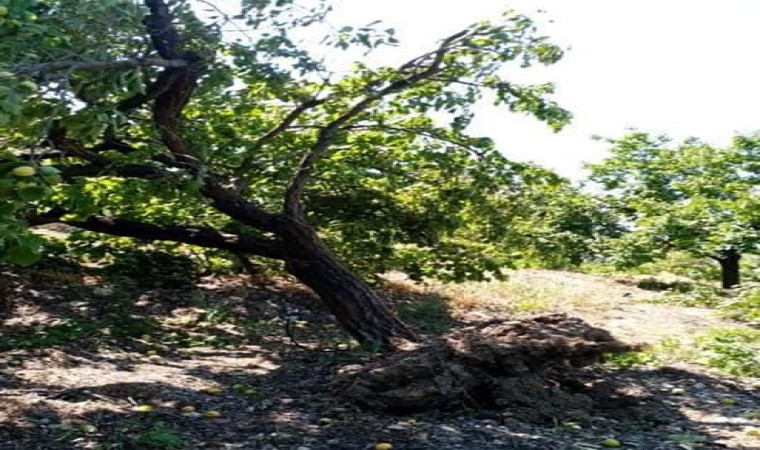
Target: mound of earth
(525, 365)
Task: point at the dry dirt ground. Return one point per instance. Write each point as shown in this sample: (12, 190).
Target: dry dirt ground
(79, 359)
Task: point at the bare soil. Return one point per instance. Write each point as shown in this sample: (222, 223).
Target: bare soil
(78, 355)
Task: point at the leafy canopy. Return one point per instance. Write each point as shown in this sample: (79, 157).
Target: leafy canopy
(687, 196)
(384, 176)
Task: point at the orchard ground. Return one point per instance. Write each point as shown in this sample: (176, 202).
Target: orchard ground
(92, 362)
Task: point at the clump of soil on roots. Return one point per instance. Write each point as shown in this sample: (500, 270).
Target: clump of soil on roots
(528, 366)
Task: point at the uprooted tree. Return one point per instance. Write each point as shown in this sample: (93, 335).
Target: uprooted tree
(175, 121)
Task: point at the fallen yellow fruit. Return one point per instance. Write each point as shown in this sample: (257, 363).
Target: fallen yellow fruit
(727, 401)
(212, 414)
(151, 352)
(326, 421)
(383, 446)
(188, 409)
(678, 391)
(143, 408)
(611, 443)
(24, 171)
(238, 387)
(212, 390)
(250, 391)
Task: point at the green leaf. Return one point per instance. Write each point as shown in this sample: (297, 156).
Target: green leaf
(33, 193)
(23, 255)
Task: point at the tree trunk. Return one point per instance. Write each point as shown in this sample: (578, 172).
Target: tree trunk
(729, 267)
(355, 305)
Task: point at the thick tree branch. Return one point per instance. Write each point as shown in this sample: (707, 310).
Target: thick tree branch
(162, 83)
(145, 171)
(74, 66)
(167, 115)
(162, 32)
(237, 207)
(202, 237)
(58, 140)
(414, 71)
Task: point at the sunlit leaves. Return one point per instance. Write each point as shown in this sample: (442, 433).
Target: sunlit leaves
(401, 184)
(689, 196)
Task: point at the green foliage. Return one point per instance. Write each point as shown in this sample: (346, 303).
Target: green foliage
(741, 304)
(21, 184)
(161, 436)
(69, 330)
(734, 351)
(537, 219)
(682, 264)
(744, 304)
(689, 197)
(630, 360)
(396, 188)
(155, 268)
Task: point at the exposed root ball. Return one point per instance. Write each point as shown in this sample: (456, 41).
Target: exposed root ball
(521, 364)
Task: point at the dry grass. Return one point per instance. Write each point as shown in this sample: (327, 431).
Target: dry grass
(528, 292)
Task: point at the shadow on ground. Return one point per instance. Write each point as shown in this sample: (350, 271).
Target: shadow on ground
(80, 389)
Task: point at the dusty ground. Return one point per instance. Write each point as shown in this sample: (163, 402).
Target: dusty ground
(78, 382)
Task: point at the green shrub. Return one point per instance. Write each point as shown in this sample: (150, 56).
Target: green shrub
(733, 351)
(160, 437)
(744, 305)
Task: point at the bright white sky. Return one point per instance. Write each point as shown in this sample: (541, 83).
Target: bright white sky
(680, 67)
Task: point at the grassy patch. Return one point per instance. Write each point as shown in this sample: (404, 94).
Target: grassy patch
(160, 436)
(68, 330)
(728, 350)
(741, 304)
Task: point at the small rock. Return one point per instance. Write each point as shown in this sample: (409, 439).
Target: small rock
(102, 291)
(449, 429)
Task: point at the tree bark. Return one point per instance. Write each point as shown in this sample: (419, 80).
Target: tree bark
(360, 310)
(729, 267)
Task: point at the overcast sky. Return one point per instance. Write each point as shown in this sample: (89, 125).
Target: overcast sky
(680, 67)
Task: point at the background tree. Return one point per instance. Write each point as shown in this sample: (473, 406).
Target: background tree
(157, 125)
(690, 196)
(540, 219)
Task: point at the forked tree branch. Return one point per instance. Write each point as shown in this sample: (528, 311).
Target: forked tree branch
(418, 69)
(247, 163)
(167, 115)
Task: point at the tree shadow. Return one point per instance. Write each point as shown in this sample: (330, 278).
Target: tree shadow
(274, 395)
(295, 405)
